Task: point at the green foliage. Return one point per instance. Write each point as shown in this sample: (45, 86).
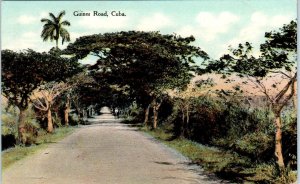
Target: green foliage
(231, 126)
(255, 144)
(23, 72)
(228, 165)
(277, 59)
(31, 127)
(146, 62)
(9, 118)
(53, 28)
(277, 53)
(56, 120)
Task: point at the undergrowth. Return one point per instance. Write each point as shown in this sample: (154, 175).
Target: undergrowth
(227, 165)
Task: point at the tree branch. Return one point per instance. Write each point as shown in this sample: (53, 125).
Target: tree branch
(285, 89)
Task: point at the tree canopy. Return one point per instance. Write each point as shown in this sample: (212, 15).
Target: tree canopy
(140, 59)
(147, 62)
(23, 72)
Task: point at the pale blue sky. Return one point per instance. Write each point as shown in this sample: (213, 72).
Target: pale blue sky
(216, 24)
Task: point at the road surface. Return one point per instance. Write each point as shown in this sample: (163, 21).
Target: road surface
(105, 152)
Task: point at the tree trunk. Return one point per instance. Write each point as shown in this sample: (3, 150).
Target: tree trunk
(295, 102)
(21, 127)
(278, 142)
(50, 123)
(155, 107)
(79, 113)
(294, 99)
(56, 43)
(182, 124)
(66, 112)
(186, 128)
(155, 116)
(146, 115)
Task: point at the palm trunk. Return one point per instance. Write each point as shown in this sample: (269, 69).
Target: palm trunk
(56, 44)
(50, 123)
(278, 142)
(21, 127)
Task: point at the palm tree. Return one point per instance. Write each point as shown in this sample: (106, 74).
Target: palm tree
(53, 28)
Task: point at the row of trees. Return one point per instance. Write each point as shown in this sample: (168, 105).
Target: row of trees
(150, 63)
(143, 67)
(145, 63)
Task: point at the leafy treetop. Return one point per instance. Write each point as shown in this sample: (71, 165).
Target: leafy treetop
(143, 60)
(23, 72)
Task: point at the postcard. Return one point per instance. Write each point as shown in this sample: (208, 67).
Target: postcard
(156, 92)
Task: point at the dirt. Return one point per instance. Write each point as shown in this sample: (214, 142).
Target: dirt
(106, 152)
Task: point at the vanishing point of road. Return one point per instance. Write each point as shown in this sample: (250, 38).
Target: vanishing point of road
(105, 152)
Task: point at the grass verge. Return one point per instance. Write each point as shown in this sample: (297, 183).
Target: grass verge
(16, 153)
(224, 164)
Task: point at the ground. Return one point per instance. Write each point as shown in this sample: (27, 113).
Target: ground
(106, 152)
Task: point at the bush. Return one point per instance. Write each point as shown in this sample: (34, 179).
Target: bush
(9, 130)
(9, 118)
(232, 126)
(236, 128)
(289, 139)
(206, 121)
(257, 146)
(31, 127)
(9, 127)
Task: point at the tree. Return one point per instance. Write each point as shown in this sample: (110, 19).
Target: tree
(276, 62)
(53, 28)
(147, 62)
(185, 99)
(24, 72)
(46, 96)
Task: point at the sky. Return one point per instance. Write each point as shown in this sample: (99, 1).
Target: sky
(216, 24)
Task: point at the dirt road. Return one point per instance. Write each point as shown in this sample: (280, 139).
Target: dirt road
(105, 153)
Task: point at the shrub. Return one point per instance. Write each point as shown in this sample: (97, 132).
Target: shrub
(206, 119)
(9, 118)
(31, 127)
(256, 145)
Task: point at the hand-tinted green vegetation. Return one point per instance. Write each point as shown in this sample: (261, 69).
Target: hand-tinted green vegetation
(234, 142)
(244, 134)
(53, 28)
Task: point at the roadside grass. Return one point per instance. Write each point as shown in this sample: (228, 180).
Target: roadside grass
(19, 152)
(224, 164)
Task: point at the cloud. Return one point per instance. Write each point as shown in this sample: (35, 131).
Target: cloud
(31, 40)
(254, 31)
(103, 22)
(218, 23)
(210, 25)
(26, 19)
(155, 22)
(32, 19)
